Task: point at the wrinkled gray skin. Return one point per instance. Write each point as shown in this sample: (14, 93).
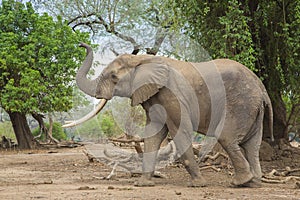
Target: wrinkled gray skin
(176, 99)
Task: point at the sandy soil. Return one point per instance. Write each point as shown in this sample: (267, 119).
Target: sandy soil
(67, 174)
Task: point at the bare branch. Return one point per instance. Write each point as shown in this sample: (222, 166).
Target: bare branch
(109, 27)
(159, 38)
(81, 16)
(114, 51)
(88, 24)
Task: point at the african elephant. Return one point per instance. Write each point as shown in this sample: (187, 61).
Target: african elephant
(220, 98)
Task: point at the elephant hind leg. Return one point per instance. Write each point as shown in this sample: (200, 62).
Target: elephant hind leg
(252, 145)
(240, 164)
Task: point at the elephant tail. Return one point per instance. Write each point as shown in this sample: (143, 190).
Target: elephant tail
(268, 106)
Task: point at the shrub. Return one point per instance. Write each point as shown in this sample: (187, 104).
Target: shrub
(108, 125)
(7, 130)
(57, 132)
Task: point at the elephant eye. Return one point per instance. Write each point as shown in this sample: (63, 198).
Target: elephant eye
(114, 77)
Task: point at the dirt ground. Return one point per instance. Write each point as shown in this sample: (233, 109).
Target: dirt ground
(66, 173)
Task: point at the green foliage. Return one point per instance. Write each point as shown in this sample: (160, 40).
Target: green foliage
(6, 130)
(38, 60)
(221, 28)
(108, 124)
(89, 130)
(57, 131)
(263, 35)
(238, 44)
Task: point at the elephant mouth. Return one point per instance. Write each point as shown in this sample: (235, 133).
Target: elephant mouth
(104, 97)
(87, 117)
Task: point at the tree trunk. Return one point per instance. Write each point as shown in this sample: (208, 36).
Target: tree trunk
(280, 121)
(50, 131)
(22, 131)
(50, 127)
(1, 117)
(42, 127)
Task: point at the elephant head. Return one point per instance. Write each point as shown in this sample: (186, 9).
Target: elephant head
(135, 76)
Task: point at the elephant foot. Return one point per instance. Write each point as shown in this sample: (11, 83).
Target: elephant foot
(143, 182)
(197, 182)
(249, 184)
(253, 183)
(242, 179)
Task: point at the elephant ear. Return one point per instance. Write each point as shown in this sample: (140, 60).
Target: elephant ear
(148, 78)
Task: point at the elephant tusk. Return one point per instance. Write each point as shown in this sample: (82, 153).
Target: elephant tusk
(87, 117)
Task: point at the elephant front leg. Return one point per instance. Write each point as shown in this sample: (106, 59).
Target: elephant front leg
(151, 147)
(182, 136)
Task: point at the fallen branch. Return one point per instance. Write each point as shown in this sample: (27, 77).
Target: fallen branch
(217, 155)
(280, 177)
(273, 173)
(210, 167)
(126, 140)
(290, 171)
(131, 139)
(283, 180)
(214, 157)
(91, 157)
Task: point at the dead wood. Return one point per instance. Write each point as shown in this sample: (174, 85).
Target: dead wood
(290, 171)
(214, 157)
(282, 180)
(64, 144)
(210, 167)
(280, 177)
(136, 142)
(91, 157)
(126, 140)
(6, 143)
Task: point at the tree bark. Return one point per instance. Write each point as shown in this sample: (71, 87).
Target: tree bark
(280, 121)
(50, 131)
(42, 127)
(22, 131)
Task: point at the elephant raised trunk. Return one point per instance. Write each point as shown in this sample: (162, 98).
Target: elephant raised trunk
(86, 85)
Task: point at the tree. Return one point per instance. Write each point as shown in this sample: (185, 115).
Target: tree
(263, 35)
(120, 26)
(38, 60)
